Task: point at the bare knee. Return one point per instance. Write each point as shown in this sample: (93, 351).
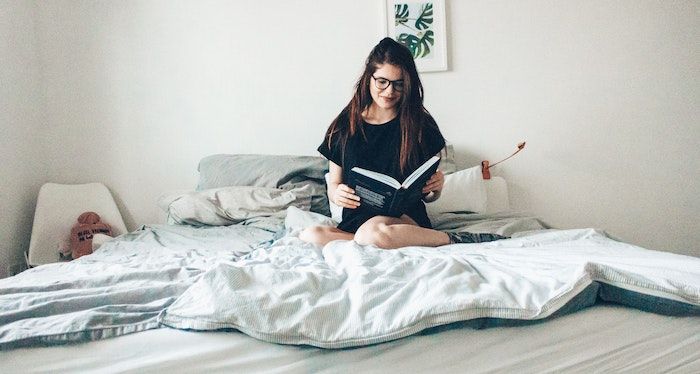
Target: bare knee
(321, 235)
(377, 234)
(313, 234)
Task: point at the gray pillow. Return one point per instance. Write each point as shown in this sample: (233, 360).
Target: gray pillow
(231, 205)
(274, 171)
(447, 159)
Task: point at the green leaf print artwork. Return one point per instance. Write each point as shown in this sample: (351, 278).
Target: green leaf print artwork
(420, 38)
(425, 20)
(401, 16)
(419, 45)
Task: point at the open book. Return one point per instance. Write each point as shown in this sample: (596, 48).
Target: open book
(385, 195)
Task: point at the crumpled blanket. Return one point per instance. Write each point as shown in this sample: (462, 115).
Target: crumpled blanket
(258, 277)
(346, 295)
(122, 287)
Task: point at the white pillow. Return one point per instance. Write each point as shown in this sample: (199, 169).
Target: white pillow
(298, 220)
(464, 191)
(447, 159)
(336, 211)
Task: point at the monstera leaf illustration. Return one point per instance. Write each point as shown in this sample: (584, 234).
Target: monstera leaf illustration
(401, 14)
(418, 44)
(426, 17)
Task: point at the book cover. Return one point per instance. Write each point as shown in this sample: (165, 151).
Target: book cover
(385, 195)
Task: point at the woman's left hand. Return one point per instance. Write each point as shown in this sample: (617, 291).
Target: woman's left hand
(435, 183)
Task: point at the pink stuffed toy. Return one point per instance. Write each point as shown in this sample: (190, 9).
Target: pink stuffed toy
(81, 235)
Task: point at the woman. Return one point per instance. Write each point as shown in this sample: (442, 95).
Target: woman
(385, 128)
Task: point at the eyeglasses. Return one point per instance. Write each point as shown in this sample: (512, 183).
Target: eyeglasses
(383, 83)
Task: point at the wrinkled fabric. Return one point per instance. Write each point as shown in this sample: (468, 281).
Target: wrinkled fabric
(278, 171)
(258, 277)
(227, 206)
(346, 295)
(119, 289)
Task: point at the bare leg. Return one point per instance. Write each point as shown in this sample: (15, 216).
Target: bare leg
(390, 233)
(321, 235)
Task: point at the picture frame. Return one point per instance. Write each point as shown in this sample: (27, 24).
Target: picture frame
(421, 26)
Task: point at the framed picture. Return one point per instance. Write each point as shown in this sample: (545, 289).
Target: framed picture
(420, 25)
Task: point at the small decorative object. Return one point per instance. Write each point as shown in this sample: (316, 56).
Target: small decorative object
(420, 26)
(82, 233)
(486, 167)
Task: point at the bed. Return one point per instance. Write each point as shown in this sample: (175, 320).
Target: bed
(228, 286)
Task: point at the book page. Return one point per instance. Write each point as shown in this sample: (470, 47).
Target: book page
(419, 172)
(389, 181)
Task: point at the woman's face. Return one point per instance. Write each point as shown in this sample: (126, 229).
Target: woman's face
(388, 97)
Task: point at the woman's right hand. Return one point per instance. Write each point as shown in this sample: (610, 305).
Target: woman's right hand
(345, 197)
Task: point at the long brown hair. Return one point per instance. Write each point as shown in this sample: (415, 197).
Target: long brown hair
(412, 114)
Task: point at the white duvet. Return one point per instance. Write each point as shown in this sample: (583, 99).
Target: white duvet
(337, 296)
(345, 295)
(120, 289)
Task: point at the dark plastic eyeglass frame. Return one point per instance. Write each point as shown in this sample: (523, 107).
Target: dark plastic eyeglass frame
(392, 83)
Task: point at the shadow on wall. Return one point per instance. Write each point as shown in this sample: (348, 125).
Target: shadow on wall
(465, 159)
(128, 217)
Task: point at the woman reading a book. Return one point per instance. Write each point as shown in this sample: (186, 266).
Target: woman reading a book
(385, 129)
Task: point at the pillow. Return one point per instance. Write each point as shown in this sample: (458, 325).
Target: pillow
(447, 159)
(297, 220)
(272, 171)
(231, 205)
(336, 211)
(463, 191)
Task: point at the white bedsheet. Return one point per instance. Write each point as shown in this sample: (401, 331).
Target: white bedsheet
(598, 339)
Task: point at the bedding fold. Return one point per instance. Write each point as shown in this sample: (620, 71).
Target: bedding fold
(119, 289)
(259, 278)
(346, 295)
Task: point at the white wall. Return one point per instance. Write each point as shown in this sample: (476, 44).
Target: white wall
(605, 93)
(22, 168)
(139, 91)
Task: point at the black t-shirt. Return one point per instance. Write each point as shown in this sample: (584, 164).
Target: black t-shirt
(379, 152)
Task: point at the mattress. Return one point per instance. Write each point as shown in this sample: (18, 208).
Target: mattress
(604, 338)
